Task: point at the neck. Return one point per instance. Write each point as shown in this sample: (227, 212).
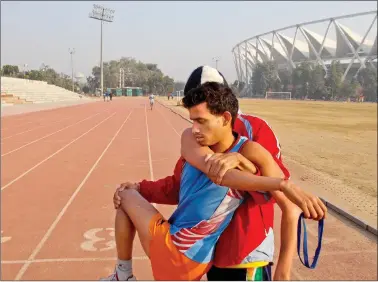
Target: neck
(224, 144)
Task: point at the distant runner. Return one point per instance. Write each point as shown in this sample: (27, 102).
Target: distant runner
(152, 100)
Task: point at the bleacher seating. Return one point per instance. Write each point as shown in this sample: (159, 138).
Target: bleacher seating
(33, 91)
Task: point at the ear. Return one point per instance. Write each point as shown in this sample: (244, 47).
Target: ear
(227, 117)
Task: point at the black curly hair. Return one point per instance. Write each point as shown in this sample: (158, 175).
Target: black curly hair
(219, 99)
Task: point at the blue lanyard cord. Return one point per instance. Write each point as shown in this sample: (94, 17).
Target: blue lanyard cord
(305, 251)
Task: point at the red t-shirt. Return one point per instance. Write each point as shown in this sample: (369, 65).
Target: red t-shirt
(255, 216)
(247, 228)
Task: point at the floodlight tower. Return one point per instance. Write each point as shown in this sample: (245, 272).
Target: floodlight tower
(72, 51)
(103, 15)
(216, 59)
(121, 78)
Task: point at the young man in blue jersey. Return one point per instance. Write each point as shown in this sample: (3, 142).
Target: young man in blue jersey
(251, 229)
(182, 248)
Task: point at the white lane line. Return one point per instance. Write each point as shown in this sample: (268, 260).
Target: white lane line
(48, 135)
(21, 119)
(67, 260)
(19, 125)
(26, 131)
(167, 121)
(63, 211)
(148, 146)
(52, 155)
(27, 115)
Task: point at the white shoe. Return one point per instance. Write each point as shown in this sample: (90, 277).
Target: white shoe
(114, 277)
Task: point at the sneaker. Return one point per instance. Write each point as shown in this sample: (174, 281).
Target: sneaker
(114, 277)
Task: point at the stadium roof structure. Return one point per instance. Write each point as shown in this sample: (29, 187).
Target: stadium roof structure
(351, 49)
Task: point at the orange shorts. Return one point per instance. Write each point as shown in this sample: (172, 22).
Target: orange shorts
(167, 262)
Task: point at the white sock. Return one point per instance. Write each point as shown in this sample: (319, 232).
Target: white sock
(125, 268)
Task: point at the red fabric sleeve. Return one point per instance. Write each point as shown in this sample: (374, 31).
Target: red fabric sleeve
(163, 191)
(266, 138)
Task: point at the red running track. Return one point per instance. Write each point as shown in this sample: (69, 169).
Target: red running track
(59, 171)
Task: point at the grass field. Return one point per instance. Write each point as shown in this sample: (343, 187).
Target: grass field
(339, 139)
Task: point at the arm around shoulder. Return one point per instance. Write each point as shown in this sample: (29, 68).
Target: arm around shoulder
(192, 152)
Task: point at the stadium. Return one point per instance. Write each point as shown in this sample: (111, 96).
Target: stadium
(320, 41)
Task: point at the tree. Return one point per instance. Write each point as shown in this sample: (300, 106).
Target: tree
(93, 83)
(265, 77)
(10, 70)
(137, 74)
(259, 79)
(334, 77)
(179, 85)
(286, 79)
(301, 78)
(316, 84)
(86, 89)
(35, 75)
(348, 89)
(168, 84)
(367, 77)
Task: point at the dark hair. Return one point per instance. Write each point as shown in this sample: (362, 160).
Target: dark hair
(219, 99)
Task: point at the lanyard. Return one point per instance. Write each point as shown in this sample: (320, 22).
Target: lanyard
(305, 251)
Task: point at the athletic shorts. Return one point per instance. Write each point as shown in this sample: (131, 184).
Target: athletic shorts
(152, 102)
(167, 262)
(263, 273)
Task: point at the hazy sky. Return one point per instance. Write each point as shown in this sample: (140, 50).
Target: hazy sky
(178, 36)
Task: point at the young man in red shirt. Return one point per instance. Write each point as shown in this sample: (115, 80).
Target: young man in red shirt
(250, 231)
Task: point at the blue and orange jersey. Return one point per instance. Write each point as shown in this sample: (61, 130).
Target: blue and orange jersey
(204, 210)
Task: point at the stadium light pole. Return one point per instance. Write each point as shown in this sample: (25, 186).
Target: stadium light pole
(72, 51)
(216, 59)
(25, 66)
(103, 15)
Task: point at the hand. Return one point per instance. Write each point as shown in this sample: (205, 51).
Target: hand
(218, 164)
(120, 188)
(311, 205)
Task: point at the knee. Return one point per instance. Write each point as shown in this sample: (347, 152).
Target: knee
(127, 195)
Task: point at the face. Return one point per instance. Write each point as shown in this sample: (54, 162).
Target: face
(208, 129)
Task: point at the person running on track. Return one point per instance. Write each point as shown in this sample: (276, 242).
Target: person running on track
(152, 100)
(182, 248)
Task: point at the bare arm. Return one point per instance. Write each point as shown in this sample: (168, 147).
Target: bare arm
(195, 154)
(290, 212)
(268, 166)
(311, 205)
(288, 240)
(258, 155)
